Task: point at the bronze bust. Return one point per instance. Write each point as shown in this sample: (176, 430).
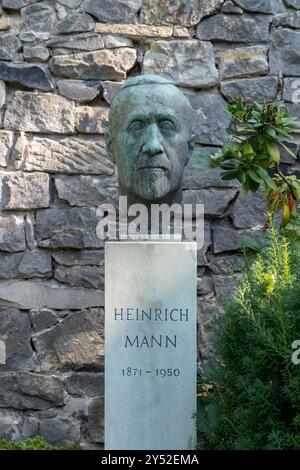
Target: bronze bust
(151, 139)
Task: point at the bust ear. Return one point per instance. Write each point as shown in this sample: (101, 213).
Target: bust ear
(108, 142)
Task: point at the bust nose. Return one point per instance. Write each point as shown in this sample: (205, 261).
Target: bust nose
(152, 144)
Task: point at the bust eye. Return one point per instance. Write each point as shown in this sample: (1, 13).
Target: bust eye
(167, 126)
(136, 127)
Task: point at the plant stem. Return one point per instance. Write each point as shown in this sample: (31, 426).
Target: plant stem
(285, 180)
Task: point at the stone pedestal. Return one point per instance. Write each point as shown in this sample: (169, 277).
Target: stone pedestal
(150, 345)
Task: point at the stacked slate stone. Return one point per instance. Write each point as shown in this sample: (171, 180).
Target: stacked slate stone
(61, 62)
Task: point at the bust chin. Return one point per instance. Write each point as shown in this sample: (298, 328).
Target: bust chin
(151, 184)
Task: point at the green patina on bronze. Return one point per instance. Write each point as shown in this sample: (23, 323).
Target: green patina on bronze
(150, 138)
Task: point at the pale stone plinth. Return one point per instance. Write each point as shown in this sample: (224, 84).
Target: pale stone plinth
(150, 363)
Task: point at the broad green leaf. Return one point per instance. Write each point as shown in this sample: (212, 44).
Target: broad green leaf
(262, 157)
(227, 166)
(231, 147)
(204, 161)
(273, 151)
(241, 176)
(283, 132)
(247, 149)
(285, 215)
(253, 185)
(244, 132)
(255, 176)
(271, 132)
(266, 177)
(260, 139)
(229, 175)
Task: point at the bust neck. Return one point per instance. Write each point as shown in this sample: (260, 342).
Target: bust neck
(175, 197)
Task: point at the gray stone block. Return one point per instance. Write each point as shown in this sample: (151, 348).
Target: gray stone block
(26, 390)
(76, 342)
(91, 277)
(243, 61)
(186, 63)
(68, 228)
(63, 154)
(71, 44)
(96, 420)
(210, 125)
(91, 120)
(258, 89)
(60, 431)
(293, 3)
(216, 201)
(116, 11)
(261, 6)
(112, 41)
(6, 144)
(2, 94)
(36, 53)
(227, 238)
(39, 112)
(24, 190)
(15, 330)
(25, 264)
(234, 28)
(87, 190)
(110, 90)
(225, 264)
(230, 7)
(285, 52)
(79, 257)
(17, 4)
(43, 319)
(291, 89)
(27, 295)
(225, 286)
(9, 46)
(108, 64)
(204, 285)
(37, 24)
(75, 23)
(12, 233)
(11, 425)
(184, 12)
(249, 211)
(79, 90)
(89, 384)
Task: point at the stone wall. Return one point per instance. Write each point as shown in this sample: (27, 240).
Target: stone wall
(60, 64)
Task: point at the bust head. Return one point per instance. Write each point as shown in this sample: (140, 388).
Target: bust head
(150, 139)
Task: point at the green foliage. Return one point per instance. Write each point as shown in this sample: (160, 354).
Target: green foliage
(256, 131)
(250, 391)
(36, 443)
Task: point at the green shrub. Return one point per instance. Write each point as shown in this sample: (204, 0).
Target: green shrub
(36, 443)
(254, 147)
(250, 391)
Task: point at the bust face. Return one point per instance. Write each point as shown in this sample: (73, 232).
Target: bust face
(150, 140)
